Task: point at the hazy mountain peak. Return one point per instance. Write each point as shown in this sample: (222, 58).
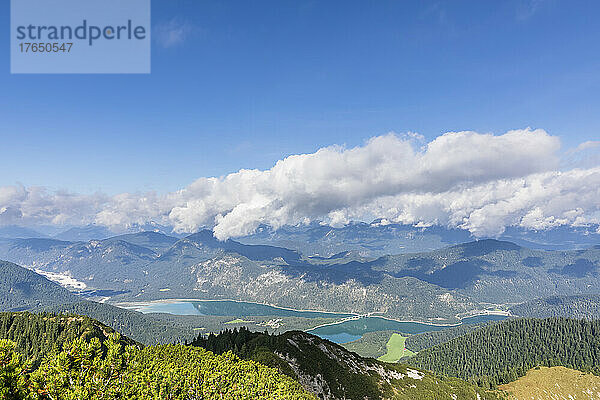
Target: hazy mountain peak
(85, 233)
(19, 232)
(485, 246)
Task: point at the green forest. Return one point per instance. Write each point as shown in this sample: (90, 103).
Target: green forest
(36, 335)
(110, 369)
(48, 356)
(579, 306)
(346, 375)
(501, 353)
(425, 340)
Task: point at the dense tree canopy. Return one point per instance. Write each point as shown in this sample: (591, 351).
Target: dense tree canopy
(82, 370)
(340, 373)
(580, 306)
(35, 335)
(500, 353)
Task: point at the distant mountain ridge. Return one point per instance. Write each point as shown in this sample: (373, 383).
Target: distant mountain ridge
(85, 233)
(435, 286)
(373, 239)
(369, 240)
(502, 272)
(379, 238)
(14, 232)
(157, 242)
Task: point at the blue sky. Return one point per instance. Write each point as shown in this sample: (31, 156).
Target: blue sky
(244, 84)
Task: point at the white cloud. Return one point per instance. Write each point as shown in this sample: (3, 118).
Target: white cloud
(480, 182)
(537, 201)
(33, 205)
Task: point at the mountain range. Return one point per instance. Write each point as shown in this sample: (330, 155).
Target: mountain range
(373, 239)
(438, 285)
(380, 238)
(443, 285)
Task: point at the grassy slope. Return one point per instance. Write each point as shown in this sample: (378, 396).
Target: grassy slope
(396, 349)
(371, 344)
(554, 383)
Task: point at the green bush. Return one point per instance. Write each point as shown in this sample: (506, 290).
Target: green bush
(93, 370)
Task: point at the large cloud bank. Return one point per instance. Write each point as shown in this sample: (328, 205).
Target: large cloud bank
(480, 182)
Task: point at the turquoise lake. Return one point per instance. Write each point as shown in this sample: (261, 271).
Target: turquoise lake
(225, 308)
(343, 332)
(351, 330)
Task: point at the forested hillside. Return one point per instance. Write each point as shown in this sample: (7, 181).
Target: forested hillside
(500, 272)
(140, 327)
(332, 372)
(96, 363)
(22, 289)
(38, 334)
(500, 353)
(77, 357)
(425, 340)
(580, 307)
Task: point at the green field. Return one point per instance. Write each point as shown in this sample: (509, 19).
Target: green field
(395, 349)
(371, 344)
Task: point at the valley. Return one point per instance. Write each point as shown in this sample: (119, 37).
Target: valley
(439, 287)
(300, 200)
(339, 328)
(395, 308)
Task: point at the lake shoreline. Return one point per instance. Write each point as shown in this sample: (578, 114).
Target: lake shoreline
(167, 301)
(350, 315)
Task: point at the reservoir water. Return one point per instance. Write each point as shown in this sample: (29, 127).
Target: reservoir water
(343, 332)
(224, 308)
(353, 329)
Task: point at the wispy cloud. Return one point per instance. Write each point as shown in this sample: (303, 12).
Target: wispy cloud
(528, 8)
(585, 155)
(590, 144)
(172, 33)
